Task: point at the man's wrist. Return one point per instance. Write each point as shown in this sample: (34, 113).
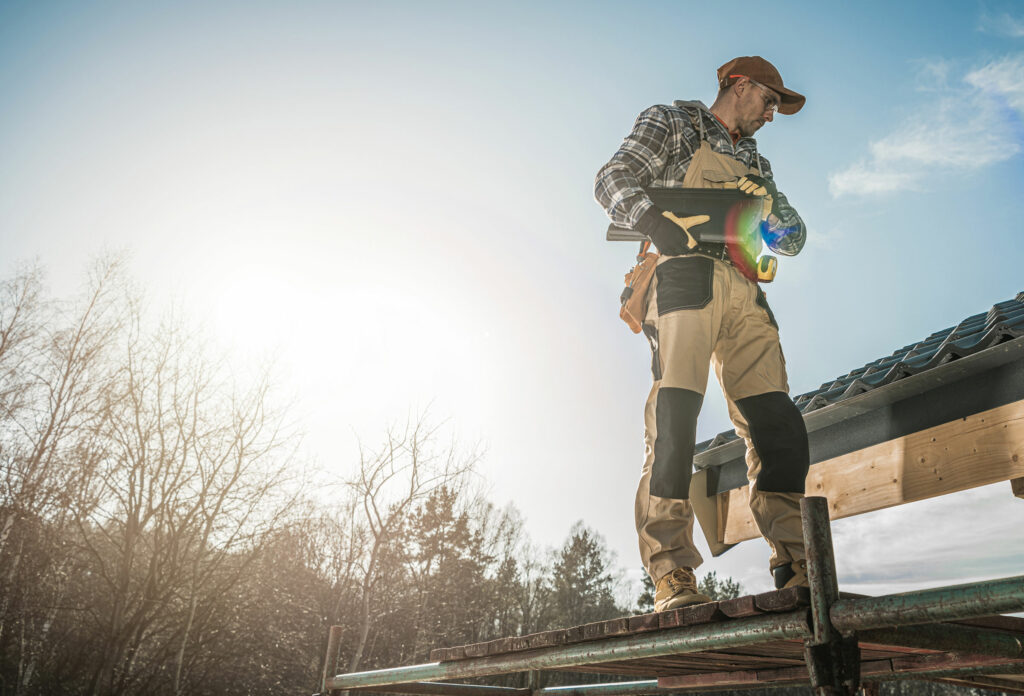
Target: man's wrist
(649, 220)
(639, 210)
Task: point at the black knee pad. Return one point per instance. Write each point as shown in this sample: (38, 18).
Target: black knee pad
(780, 439)
(676, 416)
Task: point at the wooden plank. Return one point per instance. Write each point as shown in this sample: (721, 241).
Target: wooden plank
(546, 639)
(777, 601)
(787, 599)
(699, 662)
(689, 616)
(574, 634)
(447, 654)
(781, 675)
(644, 622)
(985, 448)
(593, 631)
(709, 679)
(604, 629)
(481, 649)
(739, 607)
(617, 627)
(1006, 686)
(798, 674)
(921, 663)
(1004, 623)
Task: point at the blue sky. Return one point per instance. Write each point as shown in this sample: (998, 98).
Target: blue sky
(397, 200)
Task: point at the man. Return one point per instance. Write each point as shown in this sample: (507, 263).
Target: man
(701, 310)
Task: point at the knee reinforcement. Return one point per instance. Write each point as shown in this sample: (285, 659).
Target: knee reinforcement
(780, 440)
(676, 417)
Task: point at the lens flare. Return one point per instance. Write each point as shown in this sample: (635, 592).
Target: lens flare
(743, 236)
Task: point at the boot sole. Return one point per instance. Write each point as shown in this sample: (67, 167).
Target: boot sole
(682, 600)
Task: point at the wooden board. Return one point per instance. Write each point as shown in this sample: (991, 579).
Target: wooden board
(985, 448)
(771, 663)
(777, 601)
(798, 674)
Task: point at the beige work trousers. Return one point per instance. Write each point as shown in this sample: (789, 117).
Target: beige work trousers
(708, 314)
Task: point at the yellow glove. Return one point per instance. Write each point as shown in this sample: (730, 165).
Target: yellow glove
(755, 185)
(686, 223)
(669, 232)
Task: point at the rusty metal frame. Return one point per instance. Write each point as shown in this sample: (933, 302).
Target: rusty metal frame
(831, 631)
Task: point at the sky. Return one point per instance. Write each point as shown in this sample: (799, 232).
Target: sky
(396, 201)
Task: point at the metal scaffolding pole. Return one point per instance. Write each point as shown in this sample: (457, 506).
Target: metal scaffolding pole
(756, 629)
(928, 606)
(831, 629)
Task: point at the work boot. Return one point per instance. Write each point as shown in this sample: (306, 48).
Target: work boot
(791, 575)
(677, 589)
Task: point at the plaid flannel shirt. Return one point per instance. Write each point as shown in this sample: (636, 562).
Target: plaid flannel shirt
(658, 152)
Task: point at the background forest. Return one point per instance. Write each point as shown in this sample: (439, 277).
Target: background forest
(160, 535)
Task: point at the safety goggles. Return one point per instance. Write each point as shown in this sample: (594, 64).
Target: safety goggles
(771, 102)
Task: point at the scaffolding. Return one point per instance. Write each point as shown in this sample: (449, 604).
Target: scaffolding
(838, 644)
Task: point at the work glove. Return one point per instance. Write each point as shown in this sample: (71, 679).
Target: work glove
(673, 235)
(760, 186)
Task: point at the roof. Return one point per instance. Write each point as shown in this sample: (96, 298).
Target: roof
(964, 369)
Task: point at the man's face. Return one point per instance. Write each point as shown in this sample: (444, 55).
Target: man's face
(756, 107)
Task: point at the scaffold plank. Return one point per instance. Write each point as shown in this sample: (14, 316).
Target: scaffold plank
(769, 639)
(778, 601)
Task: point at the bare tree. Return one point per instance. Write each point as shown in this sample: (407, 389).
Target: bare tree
(390, 482)
(190, 480)
(54, 369)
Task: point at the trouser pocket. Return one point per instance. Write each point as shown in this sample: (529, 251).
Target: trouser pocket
(684, 282)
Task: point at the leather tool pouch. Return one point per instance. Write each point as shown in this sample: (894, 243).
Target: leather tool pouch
(638, 282)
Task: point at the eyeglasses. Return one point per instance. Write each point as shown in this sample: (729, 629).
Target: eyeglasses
(771, 102)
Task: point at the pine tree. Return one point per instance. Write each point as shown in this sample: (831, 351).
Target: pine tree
(582, 587)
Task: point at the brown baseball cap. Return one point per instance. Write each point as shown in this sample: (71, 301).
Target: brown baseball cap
(760, 70)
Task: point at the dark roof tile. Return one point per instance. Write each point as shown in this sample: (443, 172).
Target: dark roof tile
(979, 332)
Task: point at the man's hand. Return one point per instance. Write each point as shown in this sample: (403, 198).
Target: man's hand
(755, 185)
(673, 235)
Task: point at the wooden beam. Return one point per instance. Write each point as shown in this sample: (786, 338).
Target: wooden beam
(1017, 486)
(985, 448)
(936, 662)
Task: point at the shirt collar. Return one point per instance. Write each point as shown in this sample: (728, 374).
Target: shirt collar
(732, 134)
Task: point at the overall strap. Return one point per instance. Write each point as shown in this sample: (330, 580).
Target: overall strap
(696, 120)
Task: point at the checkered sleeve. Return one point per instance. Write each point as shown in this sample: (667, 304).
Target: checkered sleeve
(788, 235)
(619, 185)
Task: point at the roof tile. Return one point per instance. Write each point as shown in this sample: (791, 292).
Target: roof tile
(1002, 322)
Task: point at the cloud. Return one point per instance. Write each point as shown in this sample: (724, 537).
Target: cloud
(928, 543)
(963, 128)
(932, 74)
(1003, 80)
(864, 178)
(1002, 24)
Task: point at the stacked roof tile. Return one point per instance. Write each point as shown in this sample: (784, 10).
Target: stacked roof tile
(979, 332)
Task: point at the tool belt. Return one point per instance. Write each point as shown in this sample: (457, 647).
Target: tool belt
(633, 299)
(638, 280)
(716, 250)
